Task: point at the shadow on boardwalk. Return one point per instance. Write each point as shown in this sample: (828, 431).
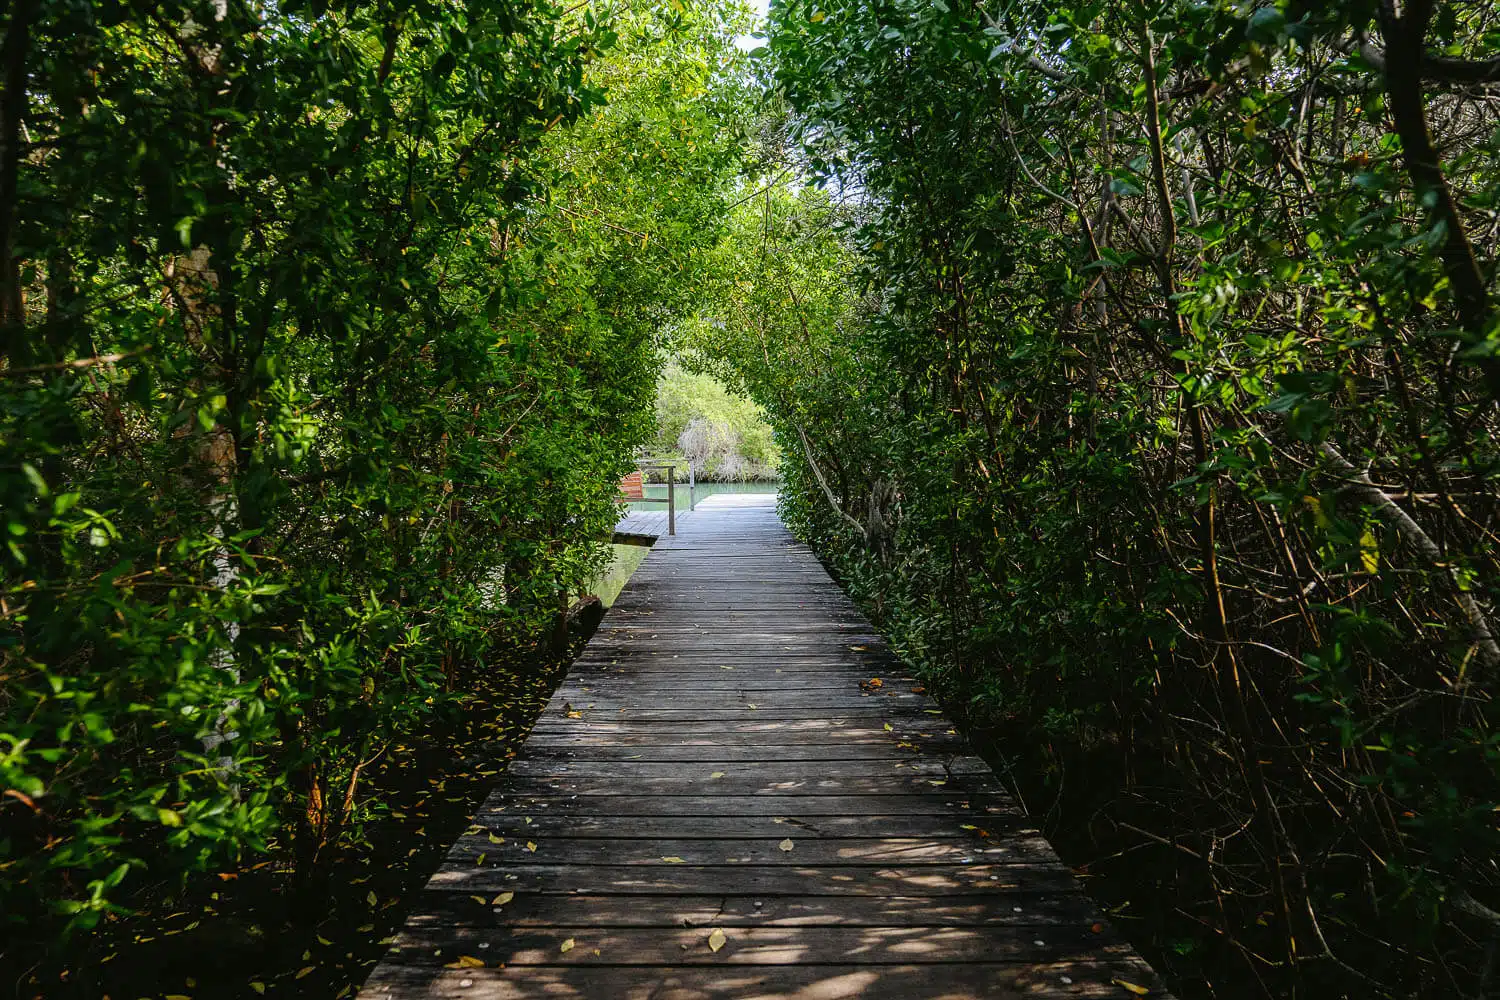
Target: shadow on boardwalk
(738, 792)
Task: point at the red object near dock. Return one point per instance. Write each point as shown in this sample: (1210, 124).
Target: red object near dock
(633, 486)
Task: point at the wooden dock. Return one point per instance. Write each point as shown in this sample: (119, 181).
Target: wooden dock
(644, 527)
(739, 793)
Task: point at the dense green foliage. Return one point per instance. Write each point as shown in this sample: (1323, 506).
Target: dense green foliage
(326, 333)
(725, 436)
(1138, 374)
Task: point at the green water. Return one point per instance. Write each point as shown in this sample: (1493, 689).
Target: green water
(700, 491)
(627, 559)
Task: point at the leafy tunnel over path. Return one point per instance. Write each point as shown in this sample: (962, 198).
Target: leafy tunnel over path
(1132, 364)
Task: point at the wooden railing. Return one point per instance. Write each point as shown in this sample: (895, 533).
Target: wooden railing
(671, 498)
(633, 488)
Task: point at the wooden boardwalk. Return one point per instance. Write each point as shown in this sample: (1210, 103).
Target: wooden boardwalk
(644, 526)
(722, 802)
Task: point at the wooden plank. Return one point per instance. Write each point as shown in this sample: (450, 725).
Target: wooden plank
(747, 753)
(875, 785)
(741, 880)
(777, 770)
(962, 807)
(634, 684)
(630, 848)
(766, 726)
(751, 712)
(718, 760)
(861, 791)
(664, 734)
(1076, 980)
(845, 699)
(460, 909)
(594, 824)
(736, 706)
(764, 659)
(899, 945)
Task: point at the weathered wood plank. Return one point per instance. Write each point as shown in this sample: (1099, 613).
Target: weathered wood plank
(460, 909)
(846, 726)
(778, 770)
(740, 880)
(885, 750)
(1076, 980)
(593, 824)
(963, 808)
(752, 712)
(789, 784)
(630, 848)
(593, 945)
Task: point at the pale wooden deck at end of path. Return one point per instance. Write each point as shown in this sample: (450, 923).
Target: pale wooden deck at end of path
(645, 526)
(719, 803)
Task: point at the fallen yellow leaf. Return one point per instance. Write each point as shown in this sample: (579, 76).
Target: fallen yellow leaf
(673, 859)
(1139, 991)
(566, 946)
(502, 899)
(717, 774)
(716, 940)
(466, 962)
(786, 845)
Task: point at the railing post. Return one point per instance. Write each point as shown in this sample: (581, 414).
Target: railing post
(692, 485)
(671, 504)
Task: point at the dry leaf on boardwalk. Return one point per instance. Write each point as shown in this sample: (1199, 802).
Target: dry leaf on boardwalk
(466, 962)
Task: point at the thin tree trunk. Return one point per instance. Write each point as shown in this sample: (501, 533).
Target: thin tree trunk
(1406, 40)
(13, 56)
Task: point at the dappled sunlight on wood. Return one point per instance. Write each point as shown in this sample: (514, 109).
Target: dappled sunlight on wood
(702, 813)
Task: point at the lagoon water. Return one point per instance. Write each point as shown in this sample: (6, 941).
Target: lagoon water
(626, 560)
(659, 490)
